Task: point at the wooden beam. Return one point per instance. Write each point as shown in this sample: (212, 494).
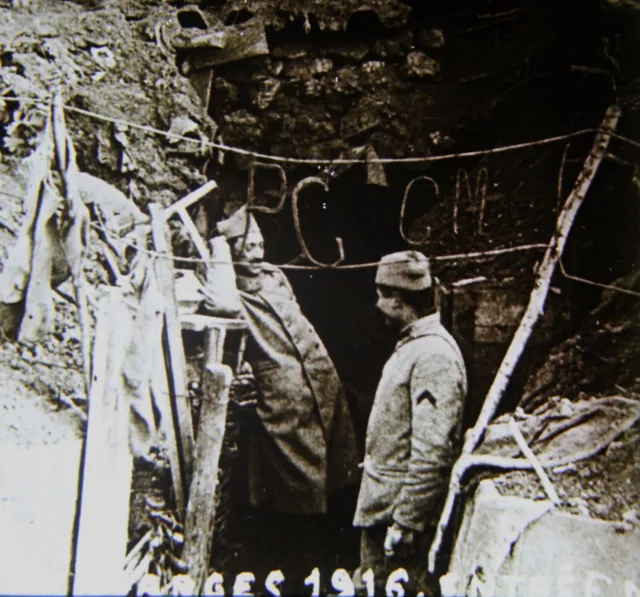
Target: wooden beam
(174, 349)
(190, 199)
(196, 322)
(180, 208)
(241, 42)
(200, 519)
(106, 465)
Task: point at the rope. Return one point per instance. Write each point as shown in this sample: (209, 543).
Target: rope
(370, 264)
(288, 160)
(597, 284)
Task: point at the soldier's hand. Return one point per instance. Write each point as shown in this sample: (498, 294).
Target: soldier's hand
(244, 388)
(399, 541)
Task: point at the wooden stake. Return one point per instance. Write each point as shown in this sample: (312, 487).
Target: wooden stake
(174, 349)
(106, 466)
(200, 519)
(534, 309)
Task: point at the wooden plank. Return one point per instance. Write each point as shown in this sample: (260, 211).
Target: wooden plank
(243, 41)
(196, 322)
(192, 229)
(200, 519)
(169, 427)
(203, 81)
(190, 199)
(180, 208)
(106, 465)
(174, 349)
(214, 338)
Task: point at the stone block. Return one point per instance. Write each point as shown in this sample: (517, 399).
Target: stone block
(524, 548)
(420, 65)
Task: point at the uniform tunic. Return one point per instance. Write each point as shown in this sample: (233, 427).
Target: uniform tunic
(306, 443)
(413, 433)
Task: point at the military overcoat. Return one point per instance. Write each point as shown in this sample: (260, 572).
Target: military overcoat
(305, 446)
(414, 429)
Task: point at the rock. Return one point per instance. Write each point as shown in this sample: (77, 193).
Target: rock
(312, 88)
(241, 118)
(430, 38)
(241, 126)
(622, 527)
(306, 68)
(224, 92)
(103, 57)
(420, 65)
(181, 125)
(373, 66)
(346, 81)
(441, 140)
(291, 52)
(276, 67)
(263, 91)
(393, 48)
(105, 151)
(349, 50)
(358, 120)
(601, 511)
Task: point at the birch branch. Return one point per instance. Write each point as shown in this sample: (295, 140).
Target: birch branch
(533, 311)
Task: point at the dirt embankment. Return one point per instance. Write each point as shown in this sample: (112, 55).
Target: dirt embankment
(602, 359)
(105, 59)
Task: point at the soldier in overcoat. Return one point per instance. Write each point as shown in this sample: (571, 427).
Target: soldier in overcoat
(414, 429)
(305, 445)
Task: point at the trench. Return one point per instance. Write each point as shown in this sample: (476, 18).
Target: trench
(521, 207)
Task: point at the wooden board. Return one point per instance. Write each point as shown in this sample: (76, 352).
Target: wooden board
(199, 523)
(106, 464)
(196, 322)
(162, 399)
(174, 349)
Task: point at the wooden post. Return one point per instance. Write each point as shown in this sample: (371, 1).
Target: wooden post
(106, 465)
(174, 349)
(214, 338)
(533, 311)
(200, 519)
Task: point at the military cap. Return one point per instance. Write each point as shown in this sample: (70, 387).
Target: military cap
(236, 224)
(408, 270)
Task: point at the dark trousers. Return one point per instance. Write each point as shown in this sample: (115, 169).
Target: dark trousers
(372, 557)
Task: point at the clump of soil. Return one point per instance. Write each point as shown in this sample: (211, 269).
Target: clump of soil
(602, 359)
(606, 486)
(604, 356)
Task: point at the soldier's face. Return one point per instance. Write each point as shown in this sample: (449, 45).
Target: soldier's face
(391, 305)
(250, 253)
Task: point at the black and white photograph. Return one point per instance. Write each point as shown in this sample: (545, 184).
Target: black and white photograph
(320, 298)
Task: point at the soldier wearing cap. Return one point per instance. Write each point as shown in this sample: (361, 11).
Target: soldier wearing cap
(414, 429)
(305, 444)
